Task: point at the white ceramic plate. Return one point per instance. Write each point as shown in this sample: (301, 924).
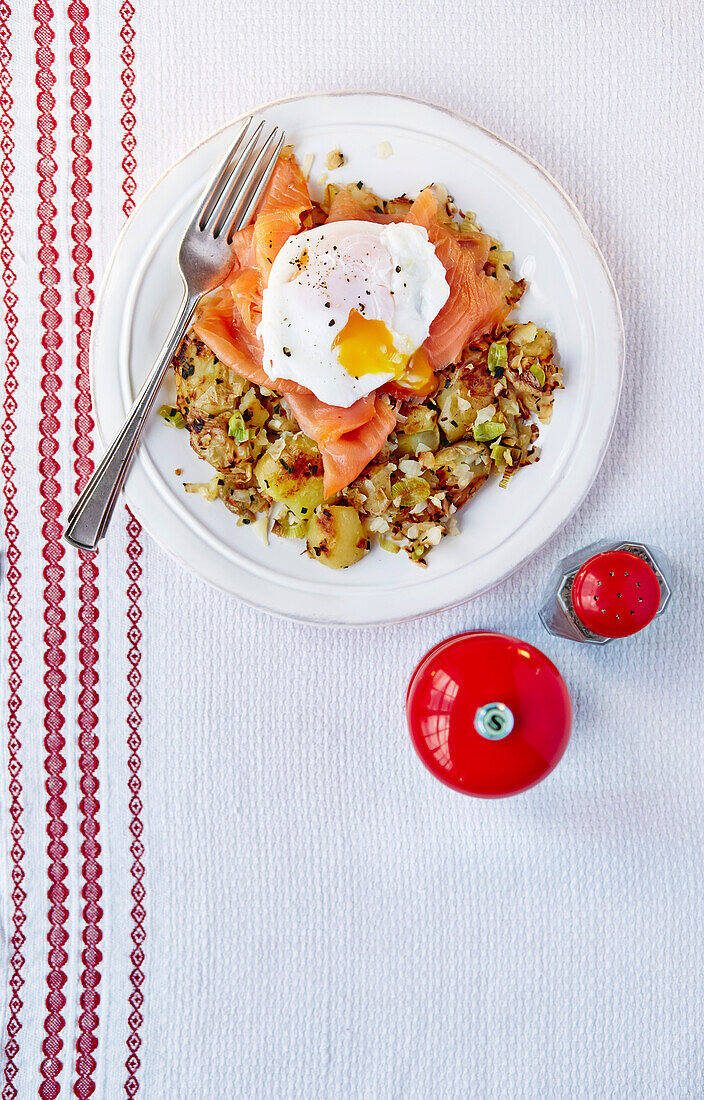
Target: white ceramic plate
(570, 292)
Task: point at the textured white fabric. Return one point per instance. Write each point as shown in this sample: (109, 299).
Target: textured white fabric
(323, 919)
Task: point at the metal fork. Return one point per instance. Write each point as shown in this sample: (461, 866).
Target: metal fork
(205, 259)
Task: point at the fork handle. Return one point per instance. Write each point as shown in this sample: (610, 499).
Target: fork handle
(89, 518)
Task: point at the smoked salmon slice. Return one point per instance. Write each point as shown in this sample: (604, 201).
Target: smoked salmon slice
(243, 248)
(344, 459)
(346, 208)
(246, 290)
(222, 330)
(477, 302)
(227, 320)
(287, 189)
(280, 214)
(348, 439)
(216, 319)
(326, 423)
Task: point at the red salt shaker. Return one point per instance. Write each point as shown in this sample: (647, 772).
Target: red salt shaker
(489, 715)
(608, 590)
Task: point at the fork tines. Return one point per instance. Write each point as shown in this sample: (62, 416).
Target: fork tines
(239, 181)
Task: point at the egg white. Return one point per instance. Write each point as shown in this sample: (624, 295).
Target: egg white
(388, 273)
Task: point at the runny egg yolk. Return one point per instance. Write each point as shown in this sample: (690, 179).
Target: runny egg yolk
(365, 346)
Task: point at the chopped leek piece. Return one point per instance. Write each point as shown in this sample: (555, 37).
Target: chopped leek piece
(237, 429)
(410, 491)
(490, 429)
(497, 359)
(501, 455)
(172, 416)
(292, 530)
(538, 373)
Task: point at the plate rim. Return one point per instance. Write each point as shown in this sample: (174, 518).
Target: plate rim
(589, 239)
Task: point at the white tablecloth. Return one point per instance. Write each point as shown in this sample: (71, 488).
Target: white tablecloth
(256, 888)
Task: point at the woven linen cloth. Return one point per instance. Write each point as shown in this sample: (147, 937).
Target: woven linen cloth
(225, 872)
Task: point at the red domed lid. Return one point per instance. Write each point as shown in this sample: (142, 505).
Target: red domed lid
(615, 594)
(488, 714)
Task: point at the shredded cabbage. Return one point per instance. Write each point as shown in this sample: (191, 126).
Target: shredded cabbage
(485, 414)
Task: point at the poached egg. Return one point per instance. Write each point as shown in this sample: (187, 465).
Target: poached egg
(348, 306)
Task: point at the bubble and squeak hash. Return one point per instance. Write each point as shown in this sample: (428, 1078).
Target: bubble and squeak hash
(356, 379)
